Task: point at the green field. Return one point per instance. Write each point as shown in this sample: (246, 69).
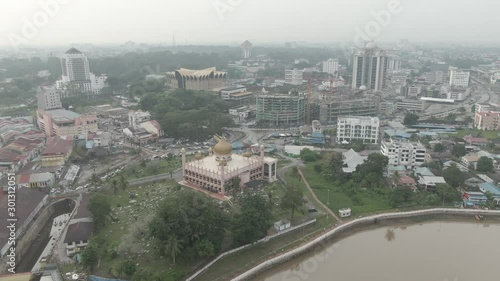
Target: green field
(477, 133)
(368, 201)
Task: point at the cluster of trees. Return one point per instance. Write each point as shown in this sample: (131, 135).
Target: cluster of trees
(188, 114)
(308, 155)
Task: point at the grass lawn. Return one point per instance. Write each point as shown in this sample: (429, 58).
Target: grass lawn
(153, 167)
(368, 201)
(486, 134)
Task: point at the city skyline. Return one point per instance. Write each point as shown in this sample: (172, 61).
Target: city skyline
(58, 22)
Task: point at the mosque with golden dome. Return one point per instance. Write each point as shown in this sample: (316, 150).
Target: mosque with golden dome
(216, 171)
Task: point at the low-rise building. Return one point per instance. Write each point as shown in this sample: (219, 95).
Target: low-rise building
(351, 160)
(152, 127)
(57, 152)
(189, 79)
(429, 183)
(137, 117)
(470, 160)
(37, 180)
(411, 105)
(474, 198)
(358, 128)
(409, 154)
(238, 94)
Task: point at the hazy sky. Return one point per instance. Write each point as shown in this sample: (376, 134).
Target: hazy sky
(199, 21)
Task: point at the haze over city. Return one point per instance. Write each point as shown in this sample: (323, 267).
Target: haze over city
(262, 21)
(264, 140)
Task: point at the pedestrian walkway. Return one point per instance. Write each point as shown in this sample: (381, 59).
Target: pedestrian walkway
(316, 198)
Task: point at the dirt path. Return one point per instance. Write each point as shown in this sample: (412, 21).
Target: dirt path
(317, 199)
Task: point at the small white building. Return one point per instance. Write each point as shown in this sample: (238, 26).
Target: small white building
(282, 225)
(135, 118)
(401, 153)
(344, 213)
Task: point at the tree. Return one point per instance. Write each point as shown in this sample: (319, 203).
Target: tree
(95, 180)
(204, 248)
(100, 207)
(439, 147)
(192, 216)
(173, 247)
(308, 155)
(396, 177)
(293, 199)
(254, 221)
(485, 165)
(448, 193)
(458, 150)
(453, 176)
(114, 186)
(411, 119)
(400, 196)
(236, 183)
(123, 182)
(89, 255)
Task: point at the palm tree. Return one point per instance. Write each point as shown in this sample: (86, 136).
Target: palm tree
(94, 179)
(114, 186)
(123, 182)
(396, 177)
(173, 248)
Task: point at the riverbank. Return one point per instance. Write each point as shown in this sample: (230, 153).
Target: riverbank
(366, 223)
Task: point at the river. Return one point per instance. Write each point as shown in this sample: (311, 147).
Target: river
(431, 251)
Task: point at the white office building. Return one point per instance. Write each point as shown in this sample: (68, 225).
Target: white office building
(401, 153)
(48, 98)
(459, 78)
(358, 128)
(331, 66)
(294, 76)
(369, 67)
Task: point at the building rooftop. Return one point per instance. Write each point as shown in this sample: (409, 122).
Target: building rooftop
(489, 187)
(73, 51)
(57, 146)
(62, 115)
(79, 231)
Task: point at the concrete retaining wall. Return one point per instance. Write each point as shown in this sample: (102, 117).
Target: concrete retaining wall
(362, 221)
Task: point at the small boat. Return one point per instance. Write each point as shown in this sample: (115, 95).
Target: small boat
(479, 217)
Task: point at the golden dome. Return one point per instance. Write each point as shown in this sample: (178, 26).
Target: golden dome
(198, 156)
(247, 154)
(223, 147)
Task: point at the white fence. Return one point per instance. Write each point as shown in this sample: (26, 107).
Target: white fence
(318, 241)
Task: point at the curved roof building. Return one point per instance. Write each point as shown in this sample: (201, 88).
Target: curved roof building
(189, 79)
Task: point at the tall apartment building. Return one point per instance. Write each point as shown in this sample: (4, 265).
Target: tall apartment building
(75, 66)
(76, 76)
(294, 76)
(401, 153)
(246, 49)
(281, 109)
(135, 118)
(358, 128)
(329, 111)
(369, 68)
(61, 122)
(459, 78)
(204, 79)
(48, 98)
(331, 66)
(489, 120)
